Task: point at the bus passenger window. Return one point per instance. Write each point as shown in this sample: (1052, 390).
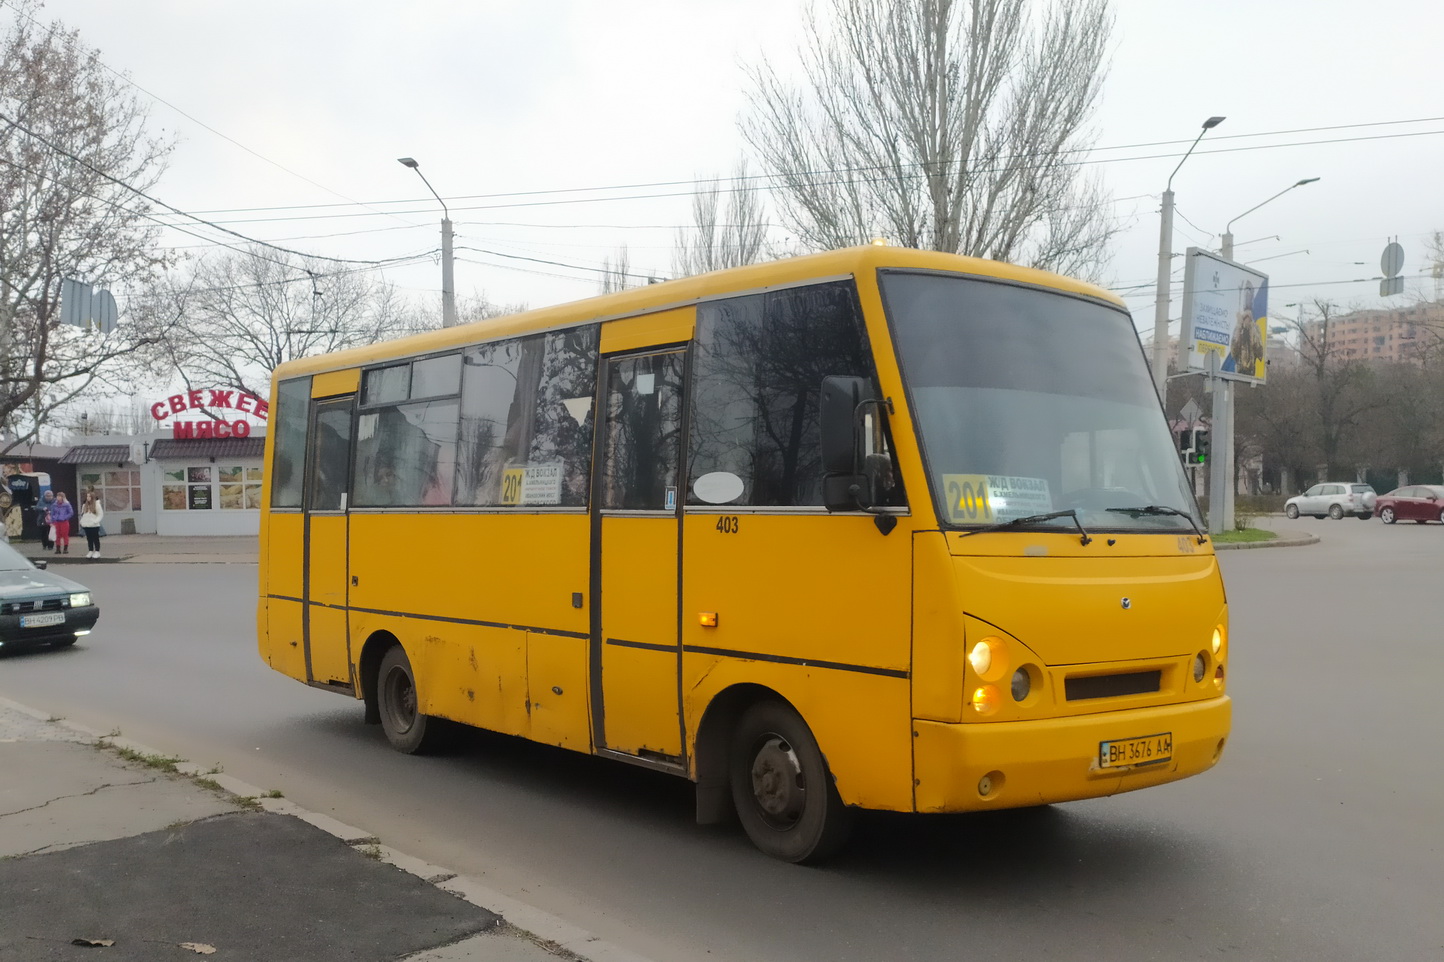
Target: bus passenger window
(293, 401)
(526, 422)
(406, 454)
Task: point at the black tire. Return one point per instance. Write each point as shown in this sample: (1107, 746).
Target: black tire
(1292, 512)
(784, 794)
(1335, 512)
(1441, 515)
(1387, 516)
(406, 729)
(1366, 517)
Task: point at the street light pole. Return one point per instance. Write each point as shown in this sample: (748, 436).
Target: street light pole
(1165, 258)
(1227, 249)
(448, 287)
(1221, 471)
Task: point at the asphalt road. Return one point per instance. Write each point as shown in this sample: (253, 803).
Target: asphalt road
(1320, 836)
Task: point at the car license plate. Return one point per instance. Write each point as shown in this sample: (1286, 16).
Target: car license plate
(41, 621)
(1127, 752)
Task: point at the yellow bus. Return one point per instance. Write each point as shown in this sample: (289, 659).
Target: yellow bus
(872, 529)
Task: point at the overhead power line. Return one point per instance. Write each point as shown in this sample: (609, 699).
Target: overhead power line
(176, 210)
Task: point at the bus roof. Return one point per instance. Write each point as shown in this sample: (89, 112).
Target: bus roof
(851, 261)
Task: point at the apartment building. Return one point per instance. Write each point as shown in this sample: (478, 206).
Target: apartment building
(1388, 334)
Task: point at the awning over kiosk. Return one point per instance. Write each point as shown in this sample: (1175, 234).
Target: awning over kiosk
(96, 454)
(174, 449)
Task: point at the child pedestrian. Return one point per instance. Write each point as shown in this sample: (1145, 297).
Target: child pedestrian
(60, 514)
(91, 514)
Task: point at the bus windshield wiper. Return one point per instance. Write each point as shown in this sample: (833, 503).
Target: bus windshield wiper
(1034, 519)
(1164, 509)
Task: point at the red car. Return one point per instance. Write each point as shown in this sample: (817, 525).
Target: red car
(1413, 502)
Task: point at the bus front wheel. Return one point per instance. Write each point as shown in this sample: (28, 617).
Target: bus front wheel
(406, 728)
(783, 791)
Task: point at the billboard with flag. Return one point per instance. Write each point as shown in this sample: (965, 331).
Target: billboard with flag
(1225, 315)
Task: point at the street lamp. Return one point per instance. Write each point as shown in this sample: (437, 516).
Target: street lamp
(1221, 483)
(448, 289)
(1227, 249)
(1165, 257)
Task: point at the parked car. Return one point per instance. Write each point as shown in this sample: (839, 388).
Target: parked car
(39, 608)
(1413, 502)
(1335, 499)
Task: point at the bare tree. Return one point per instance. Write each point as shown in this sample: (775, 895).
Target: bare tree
(1344, 390)
(616, 272)
(75, 155)
(726, 233)
(235, 317)
(951, 125)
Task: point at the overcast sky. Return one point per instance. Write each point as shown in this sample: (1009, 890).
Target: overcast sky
(293, 103)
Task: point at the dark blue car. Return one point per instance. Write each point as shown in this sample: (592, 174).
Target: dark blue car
(38, 608)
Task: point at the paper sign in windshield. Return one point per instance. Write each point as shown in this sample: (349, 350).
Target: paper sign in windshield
(994, 498)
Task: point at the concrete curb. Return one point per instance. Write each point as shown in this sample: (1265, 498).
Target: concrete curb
(1296, 541)
(549, 932)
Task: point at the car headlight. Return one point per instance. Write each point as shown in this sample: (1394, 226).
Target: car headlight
(79, 599)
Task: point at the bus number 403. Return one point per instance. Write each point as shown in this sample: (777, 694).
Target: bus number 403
(727, 524)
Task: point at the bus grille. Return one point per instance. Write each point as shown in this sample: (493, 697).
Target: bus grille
(1110, 686)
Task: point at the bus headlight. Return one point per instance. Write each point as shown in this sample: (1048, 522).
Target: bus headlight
(1217, 640)
(1022, 684)
(989, 658)
(1200, 666)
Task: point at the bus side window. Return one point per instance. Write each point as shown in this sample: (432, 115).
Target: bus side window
(760, 361)
(526, 420)
(288, 456)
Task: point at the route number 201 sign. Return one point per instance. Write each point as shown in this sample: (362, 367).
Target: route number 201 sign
(993, 498)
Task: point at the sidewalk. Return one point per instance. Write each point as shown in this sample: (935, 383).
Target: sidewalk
(153, 549)
(108, 844)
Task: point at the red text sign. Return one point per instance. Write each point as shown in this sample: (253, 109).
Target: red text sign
(210, 399)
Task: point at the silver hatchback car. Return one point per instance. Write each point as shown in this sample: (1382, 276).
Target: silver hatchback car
(1335, 499)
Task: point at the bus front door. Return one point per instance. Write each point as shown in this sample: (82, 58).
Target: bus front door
(328, 469)
(636, 650)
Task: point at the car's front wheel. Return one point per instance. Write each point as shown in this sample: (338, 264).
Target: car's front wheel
(1292, 511)
(1386, 515)
(1335, 512)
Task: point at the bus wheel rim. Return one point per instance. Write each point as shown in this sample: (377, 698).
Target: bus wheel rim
(401, 700)
(778, 786)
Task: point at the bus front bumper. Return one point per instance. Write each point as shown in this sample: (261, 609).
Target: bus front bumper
(980, 765)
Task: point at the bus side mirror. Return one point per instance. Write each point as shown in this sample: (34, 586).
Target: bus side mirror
(837, 412)
(844, 485)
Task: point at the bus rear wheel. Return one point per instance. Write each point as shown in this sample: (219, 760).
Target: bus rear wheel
(783, 791)
(406, 728)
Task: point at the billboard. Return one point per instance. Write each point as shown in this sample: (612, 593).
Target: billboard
(1225, 314)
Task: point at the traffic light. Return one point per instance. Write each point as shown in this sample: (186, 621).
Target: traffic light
(1200, 446)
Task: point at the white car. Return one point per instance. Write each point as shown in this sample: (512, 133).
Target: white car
(1334, 499)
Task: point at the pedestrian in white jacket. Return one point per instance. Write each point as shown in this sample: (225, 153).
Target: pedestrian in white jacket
(91, 514)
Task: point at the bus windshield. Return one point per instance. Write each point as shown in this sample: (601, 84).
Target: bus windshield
(1029, 401)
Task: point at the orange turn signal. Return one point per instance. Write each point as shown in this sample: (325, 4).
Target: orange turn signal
(708, 619)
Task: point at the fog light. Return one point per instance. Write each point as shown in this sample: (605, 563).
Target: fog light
(986, 699)
(1200, 666)
(1022, 684)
